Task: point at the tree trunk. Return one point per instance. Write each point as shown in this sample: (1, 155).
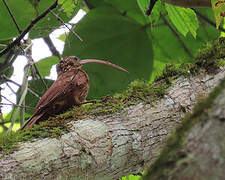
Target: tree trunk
(200, 153)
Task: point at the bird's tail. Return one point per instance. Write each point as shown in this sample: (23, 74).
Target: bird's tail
(32, 120)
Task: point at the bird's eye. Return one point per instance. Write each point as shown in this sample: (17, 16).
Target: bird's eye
(75, 59)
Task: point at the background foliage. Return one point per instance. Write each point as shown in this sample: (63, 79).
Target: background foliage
(114, 30)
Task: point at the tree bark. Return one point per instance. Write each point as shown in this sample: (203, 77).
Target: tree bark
(200, 153)
(112, 146)
(189, 3)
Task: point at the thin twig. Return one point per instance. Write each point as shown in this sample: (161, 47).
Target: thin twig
(13, 18)
(29, 27)
(7, 99)
(177, 36)
(1, 117)
(52, 47)
(23, 93)
(31, 91)
(7, 84)
(13, 104)
(206, 19)
(150, 7)
(39, 110)
(29, 57)
(70, 29)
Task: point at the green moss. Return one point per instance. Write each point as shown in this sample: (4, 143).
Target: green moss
(171, 154)
(138, 91)
(51, 128)
(212, 56)
(173, 71)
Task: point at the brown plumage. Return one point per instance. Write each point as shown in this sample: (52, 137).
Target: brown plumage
(70, 88)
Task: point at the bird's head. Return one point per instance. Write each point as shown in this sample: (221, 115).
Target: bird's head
(67, 63)
(73, 62)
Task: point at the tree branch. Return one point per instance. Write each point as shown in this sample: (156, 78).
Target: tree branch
(113, 145)
(13, 18)
(51, 47)
(29, 27)
(30, 90)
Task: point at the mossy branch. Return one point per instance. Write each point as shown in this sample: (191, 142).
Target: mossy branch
(120, 135)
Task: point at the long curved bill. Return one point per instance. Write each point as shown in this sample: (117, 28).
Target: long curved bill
(86, 61)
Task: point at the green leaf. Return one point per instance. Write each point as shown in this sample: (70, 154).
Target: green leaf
(22, 15)
(157, 69)
(68, 6)
(44, 66)
(169, 47)
(128, 8)
(62, 37)
(184, 19)
(8, 116)
(107, 35)
(155, 14)
(38, 87)
(50, 22)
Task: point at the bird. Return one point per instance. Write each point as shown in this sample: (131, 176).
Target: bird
(70, 89)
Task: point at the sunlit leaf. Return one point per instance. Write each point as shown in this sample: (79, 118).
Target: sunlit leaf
(155, 14)
(175, 48)
(184, 19)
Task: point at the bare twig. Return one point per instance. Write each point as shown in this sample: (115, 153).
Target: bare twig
(29, 57)
(31, 91)
(23, 93)
(7, 84)
(1, 117)
(13, 104)
(177, 36)
(51, 47)
(7, 99)
(206, 19)
(29, 27)
(150, 7)
(70, 29)
(13, 18)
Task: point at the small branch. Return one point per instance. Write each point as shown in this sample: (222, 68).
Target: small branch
(7, 84)
(150, 7)
(31, 91)
(13, 18)
(70, 29)
(1, 117)
(36, 69)
(177, 36)
(52, 47)
(6, 99)
(13, 104)
(29, 27)
(206, 19)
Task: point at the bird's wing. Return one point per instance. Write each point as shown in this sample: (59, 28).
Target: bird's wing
(53, 93)
(32, 120)
(56, 90)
